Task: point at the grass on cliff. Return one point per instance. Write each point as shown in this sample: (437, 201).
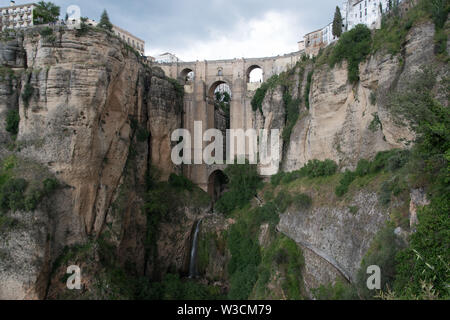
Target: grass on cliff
(22, 191)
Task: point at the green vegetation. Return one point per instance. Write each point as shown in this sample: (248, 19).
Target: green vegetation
(6, 73)
(382, 253)
(389, 161)
(376, 124)
(18, 194)
(292, 115)
(45, 12)
(312, 169)
(84, 27)
(243, 184)
(104, 22)
(308, 88)
(46, 31)
(260, 94)
(180, 182)
(27, 93)
(341, 290)
(284, 260)
(12, 122)
(353, 46)
(394, 29)
(425, 262)
(337, 23)
(252, 267)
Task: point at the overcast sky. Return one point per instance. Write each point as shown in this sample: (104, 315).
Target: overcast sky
(213, 29)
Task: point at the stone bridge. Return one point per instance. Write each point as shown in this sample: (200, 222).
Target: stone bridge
(204, 78)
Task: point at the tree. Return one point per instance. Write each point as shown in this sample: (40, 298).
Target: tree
(104, 21)
(337, 23)
(45, 12)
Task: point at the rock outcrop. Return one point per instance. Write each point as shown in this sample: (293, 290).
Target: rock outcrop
(338, 125)
(87, 105)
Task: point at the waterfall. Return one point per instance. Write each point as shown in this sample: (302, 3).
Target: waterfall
(193, 262)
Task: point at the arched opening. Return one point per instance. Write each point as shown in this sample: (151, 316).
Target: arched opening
(187, 76)
(217, 183)
(220, 95)
(255, 74)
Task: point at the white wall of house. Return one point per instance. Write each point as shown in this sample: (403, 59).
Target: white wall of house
(366, 12)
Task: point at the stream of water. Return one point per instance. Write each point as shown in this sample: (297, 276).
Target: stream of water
(193, 261)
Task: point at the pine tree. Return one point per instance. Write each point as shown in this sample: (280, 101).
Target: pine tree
(337, 23)
(104, 21)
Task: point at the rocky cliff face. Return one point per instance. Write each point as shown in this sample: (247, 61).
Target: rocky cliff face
(344, 123)
(87, 106)
(338, 124)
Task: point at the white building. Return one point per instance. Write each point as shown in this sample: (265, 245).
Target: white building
(167, 58)
(131, 39)
(327, 35)
(16, 16)
(368, 12)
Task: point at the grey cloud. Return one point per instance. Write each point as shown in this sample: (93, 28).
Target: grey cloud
(173, 24)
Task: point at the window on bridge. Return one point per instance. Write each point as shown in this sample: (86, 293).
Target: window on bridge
(255, 74)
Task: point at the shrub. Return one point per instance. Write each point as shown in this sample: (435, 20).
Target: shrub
(376, 124)
(245, 258)
(12, 122)
(282, 201)
(243, 184)
(46, 32)
(180, 182)
(28, 91)
(316, 168)
(308, 88)
(276, 179)
(353, 46)
(302, 201)
(292, 114)
(266, 214)
(339, 291)
(12, 194)
(363, 168)
(382, 253)
(345, 183)
(260, 94)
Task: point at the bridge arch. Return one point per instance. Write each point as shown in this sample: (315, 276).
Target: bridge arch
(255, 71)
(186, 75)
(217, 182)
(217, 85)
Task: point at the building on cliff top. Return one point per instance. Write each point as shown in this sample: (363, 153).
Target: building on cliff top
(135, 42)
(131, 39)
(16, 16)
(167, 58)
(354, 12)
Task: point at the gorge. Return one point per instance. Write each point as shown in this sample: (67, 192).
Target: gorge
(87, 178)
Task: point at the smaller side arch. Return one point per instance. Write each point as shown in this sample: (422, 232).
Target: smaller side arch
(251, 69)
(187, 75)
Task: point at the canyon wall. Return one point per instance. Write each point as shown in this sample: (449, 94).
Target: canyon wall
(90, 111)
